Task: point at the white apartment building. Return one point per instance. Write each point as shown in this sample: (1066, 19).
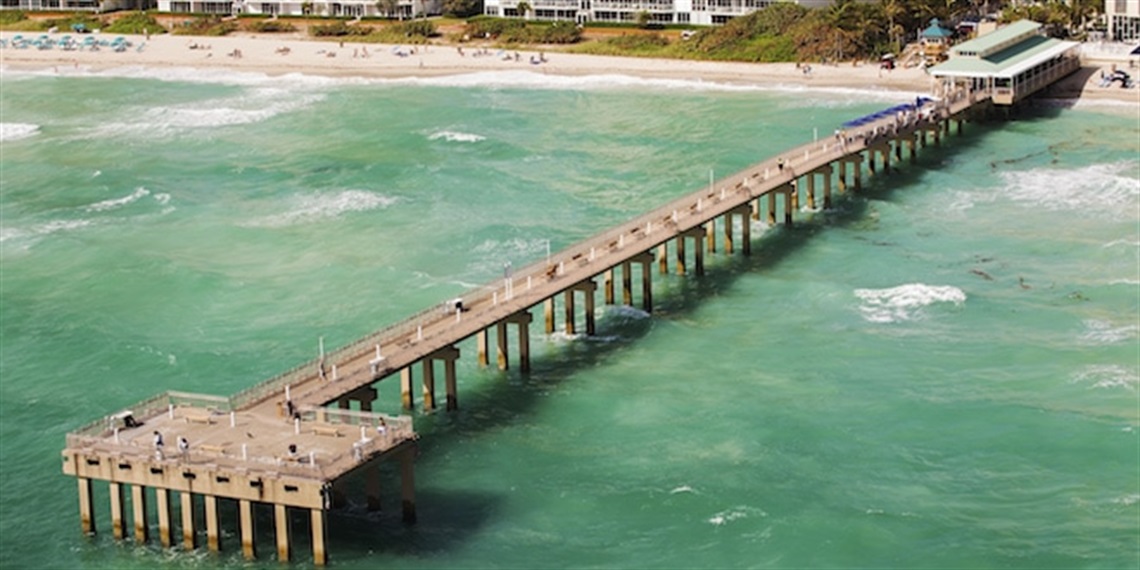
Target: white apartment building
(1123, 19)
(332, 8)
(701, 12)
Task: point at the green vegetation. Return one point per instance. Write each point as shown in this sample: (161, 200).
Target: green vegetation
(409, 32)
(845, 30)
(338, 30)
(270, 26)
(12, 16)
(135, 23)
(1061, 19)
(205, 26)
(513, 31)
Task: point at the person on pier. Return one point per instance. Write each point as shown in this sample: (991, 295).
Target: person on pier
(183, 446)
(157, 445)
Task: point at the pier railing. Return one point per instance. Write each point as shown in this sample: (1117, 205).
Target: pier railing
(149, 408)
(377, 433)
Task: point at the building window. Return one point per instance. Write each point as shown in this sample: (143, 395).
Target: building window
(183, 7)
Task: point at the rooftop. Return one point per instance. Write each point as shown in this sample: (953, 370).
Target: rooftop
(1020, 49)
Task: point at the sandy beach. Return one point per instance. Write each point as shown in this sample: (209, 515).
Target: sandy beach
(284, 55)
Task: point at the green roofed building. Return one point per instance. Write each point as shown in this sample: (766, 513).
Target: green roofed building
(1008, 64)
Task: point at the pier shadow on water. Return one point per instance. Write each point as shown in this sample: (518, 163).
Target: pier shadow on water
(492, 400)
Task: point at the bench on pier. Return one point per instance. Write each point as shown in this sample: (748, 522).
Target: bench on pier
(219, 449)
(331, 431)
(198, 417)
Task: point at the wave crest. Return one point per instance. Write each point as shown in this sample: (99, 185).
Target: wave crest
(310, 208)
(456, 136)
(1103, 332)
(113, 203)
(17, 131)
(905, 302)
(1108, 376)
(1099, 188)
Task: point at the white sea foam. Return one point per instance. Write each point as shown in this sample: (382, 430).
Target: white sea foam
(1103, 332)
(682, 489)
(1100, 189)
(1108, 376)
(113, 203)
(512, 247)
(562, 336)
(625, 312)
(216, 76)
(736, 513)
(456, 136)
(905, 302)
(311, 208)
(17, 131)
(40, 230)
(527, 79)
(1127, 500)
(253, 105)
(1123, 242)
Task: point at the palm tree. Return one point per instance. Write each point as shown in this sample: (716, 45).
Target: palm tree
(524, 8)
(892, 9)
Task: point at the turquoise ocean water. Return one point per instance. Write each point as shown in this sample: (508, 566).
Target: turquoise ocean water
(942, 372)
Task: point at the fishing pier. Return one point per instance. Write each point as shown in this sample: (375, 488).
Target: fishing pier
(292, 442)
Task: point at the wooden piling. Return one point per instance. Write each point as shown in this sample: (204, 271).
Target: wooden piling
(138, 505)
(248, 532)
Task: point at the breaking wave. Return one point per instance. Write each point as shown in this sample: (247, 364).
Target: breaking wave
(905, 302)
(1099, 188)
(1103, 332)
(311, 208)
(17, 131)
(456, 136)
(1108, 376)
(113, 203)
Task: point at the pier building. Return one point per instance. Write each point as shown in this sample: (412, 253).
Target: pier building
(1010, 63)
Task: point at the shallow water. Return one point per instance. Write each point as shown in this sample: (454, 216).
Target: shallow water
(942, 371)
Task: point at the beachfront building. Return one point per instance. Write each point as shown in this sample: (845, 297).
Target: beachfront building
(332, 8)
(1123, 18)
(700, 12)
(76, 5)
(934, 41)
(1009, 64)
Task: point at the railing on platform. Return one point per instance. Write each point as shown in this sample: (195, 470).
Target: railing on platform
(373, 433)
(149, 408)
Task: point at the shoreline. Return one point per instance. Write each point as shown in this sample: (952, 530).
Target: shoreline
(279, 56)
